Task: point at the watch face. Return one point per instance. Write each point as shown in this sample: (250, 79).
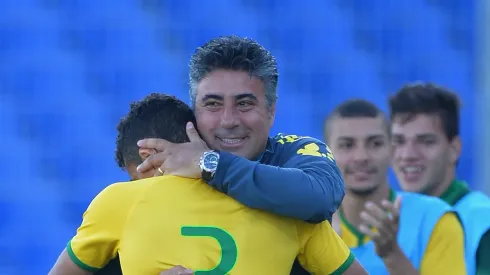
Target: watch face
(211, 161)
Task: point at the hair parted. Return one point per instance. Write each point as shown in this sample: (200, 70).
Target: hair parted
(238, 54)
(155, 116)
(428, 99)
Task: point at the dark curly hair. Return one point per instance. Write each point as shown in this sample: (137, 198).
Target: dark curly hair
(155, 116)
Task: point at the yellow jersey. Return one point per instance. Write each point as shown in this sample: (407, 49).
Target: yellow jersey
(157, 223)
(445, 250)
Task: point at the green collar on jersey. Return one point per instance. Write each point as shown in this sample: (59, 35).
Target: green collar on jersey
(360, 236)
(457, 190)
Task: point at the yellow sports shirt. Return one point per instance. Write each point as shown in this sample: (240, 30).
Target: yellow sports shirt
(444, 253)
(157, 223)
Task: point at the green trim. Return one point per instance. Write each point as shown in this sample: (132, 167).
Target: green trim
(77, 261)
(392, 197)
(457, 190)
(348, 262)
(352, 228)
(358, 234)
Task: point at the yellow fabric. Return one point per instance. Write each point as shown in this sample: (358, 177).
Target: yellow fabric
(142, 220)
(445, 250)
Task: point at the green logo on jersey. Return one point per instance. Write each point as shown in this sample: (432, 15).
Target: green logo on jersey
(229, 251)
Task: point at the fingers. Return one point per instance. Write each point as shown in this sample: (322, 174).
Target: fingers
(370, 220)
(159, 172)
(145, 152)
(192, 133)
(155, 160)
(177, 270)
(374, 235)
(393, 208)
(377, 217)
(154, 143)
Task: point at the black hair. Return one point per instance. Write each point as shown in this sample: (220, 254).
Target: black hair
(234, 53)
(356, 108)
(155, 116)
(427, 98)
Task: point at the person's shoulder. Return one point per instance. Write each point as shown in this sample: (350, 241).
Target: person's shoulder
(294, 140)
(474, 200)
(301, 145)
(294, 143)
(423, 200)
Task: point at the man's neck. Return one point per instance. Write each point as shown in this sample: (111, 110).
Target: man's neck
(353, 204)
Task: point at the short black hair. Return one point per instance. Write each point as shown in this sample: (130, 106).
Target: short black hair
(356, 108)
(234, 53)
(155, 116)
(430, 99)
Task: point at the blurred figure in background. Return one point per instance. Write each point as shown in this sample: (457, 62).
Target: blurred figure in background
(427, 146)
(389, 233)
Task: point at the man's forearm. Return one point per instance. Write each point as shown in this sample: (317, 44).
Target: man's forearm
(306, 195)
(399, 264)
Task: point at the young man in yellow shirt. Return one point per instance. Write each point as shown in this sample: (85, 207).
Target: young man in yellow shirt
(389, 233)
(427, 148)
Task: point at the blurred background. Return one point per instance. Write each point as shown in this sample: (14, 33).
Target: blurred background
(70, 68)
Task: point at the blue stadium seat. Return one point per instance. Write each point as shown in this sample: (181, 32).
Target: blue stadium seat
(69, 68)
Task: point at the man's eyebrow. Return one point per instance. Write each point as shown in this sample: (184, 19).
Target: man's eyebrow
(212, 96)
(426, 135)
(246, 95)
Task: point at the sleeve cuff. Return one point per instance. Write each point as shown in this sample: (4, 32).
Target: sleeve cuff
(77, 261)
(225, 160)
(347, 263)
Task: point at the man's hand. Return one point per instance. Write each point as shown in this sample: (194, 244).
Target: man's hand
(175, 159)
(386, 220)
(178, 270)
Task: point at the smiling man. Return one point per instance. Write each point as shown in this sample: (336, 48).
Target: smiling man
(390, 232)
(233, 91)
(425, 126)
(156, 223)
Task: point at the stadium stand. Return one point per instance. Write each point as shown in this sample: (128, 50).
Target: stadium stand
(69, 69)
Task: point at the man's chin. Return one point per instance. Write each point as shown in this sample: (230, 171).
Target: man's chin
(362, 191)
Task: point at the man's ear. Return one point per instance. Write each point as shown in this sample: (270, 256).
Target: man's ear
(145, 153)
(455, 149)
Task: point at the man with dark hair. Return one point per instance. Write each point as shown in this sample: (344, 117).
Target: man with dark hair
(233, 90)
(427, 146)
(146, 119)
(158, 222)
(390, 233)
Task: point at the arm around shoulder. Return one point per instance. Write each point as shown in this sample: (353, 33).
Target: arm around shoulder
(302, 182)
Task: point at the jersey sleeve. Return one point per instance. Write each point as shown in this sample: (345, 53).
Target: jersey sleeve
(445, 252)
(303, 181)
(323, 251)
(97, 239)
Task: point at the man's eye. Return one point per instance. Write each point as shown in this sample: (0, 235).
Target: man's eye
(211, 104)
(245, 103)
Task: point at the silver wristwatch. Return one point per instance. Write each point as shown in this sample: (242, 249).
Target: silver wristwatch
(209, 164)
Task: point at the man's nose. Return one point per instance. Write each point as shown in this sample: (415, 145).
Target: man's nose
(361, 154)
(229, 118)
(408, 151)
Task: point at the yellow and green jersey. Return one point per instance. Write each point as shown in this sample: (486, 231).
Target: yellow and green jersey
(158, 223)
(444, 252)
